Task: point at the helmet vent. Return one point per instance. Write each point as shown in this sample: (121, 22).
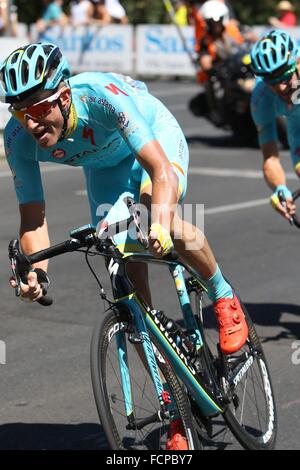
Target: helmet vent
(259, 62)
(2, 81)
(39, 67)
(12, 79)
(30, 51)
(267, 61)
(25, 72)
(14, 58)
(48, 49)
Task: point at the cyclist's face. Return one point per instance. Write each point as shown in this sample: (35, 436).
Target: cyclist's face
(46, 125)
(215, 28)
(286, 88)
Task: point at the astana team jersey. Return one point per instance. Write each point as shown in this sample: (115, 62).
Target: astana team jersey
(266, 106)
(112, 117)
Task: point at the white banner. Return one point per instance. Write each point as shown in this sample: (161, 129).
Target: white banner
(161, 51)
(4, 115)
(263, 30)
(94, 48)
(8, 45)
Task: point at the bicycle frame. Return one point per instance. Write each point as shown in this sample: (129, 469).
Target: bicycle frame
(145, 320)
(210, 381)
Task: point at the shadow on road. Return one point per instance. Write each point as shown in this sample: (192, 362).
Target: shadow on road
(269, 314)
(40, 436)
(265, 314)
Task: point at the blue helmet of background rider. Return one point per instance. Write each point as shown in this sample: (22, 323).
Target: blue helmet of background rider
(274, 55)
(32, 68)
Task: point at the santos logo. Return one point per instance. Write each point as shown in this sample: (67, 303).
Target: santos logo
(159, 41)
(89, 42)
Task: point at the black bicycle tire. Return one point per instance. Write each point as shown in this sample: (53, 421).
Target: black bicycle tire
(237, 430)
(99, 345)
(296, 219)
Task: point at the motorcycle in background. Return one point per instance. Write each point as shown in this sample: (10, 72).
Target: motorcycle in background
(225, 100)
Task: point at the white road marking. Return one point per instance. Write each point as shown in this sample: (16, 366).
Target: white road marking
(221, 172)
(237, 207)
(214, 210)
(177, 107)
(81, 192)
(194, 170)
(231, 173)
(46, 169)
(176, 91)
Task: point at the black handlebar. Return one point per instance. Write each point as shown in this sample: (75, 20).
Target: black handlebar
(84, 237)
(55, 250)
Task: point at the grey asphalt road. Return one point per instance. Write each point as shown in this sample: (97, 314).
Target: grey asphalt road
(46, 399)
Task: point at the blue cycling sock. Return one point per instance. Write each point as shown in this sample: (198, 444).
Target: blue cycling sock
(217, 287)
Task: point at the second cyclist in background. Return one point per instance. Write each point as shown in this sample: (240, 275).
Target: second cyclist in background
(275, 62)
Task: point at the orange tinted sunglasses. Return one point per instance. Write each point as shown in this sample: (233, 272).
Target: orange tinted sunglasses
(38, 110)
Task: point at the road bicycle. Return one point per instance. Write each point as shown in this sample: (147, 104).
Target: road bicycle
(147, 370)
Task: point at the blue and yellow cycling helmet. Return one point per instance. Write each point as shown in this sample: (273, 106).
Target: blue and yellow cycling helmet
(274, 54)
(31, 68)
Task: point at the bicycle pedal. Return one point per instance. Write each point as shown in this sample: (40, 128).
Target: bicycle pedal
(135, 338)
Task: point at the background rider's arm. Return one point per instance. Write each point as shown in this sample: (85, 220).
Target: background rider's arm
(33, 230)
(273, 172)
(164, 182)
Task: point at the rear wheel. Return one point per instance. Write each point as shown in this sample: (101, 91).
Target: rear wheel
(109, 392)
(245, 381)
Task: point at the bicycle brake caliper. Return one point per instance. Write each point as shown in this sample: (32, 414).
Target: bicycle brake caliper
(166, 398)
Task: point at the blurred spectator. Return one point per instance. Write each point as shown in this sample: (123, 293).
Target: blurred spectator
(3, 18)
(195, 5)
(181, 13)
(52, 15)
(287, 17)
(116, 11)
(219, 35)
(99, 13)
(81, 12)
(198, 21)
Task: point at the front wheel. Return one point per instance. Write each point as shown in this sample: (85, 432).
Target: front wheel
(124, 391)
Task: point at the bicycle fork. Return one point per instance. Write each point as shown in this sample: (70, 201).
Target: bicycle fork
(142, 342)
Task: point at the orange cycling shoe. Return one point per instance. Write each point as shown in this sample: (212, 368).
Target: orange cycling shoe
(176, 439)
(232, 323)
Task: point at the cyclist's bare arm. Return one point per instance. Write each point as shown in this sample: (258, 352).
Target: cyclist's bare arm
(163, 192)
(33, 237)
(273, 172)
(34, 230)
(275, 175)
(164, 181)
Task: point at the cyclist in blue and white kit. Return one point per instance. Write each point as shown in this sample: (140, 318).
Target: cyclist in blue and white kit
(276, 64)
(128, 143)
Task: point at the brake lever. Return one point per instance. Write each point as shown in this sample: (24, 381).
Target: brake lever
(17, 259)
(13, 253)
(135, 214)
(282, 201)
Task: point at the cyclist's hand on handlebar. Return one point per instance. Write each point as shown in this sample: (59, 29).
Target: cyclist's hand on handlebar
(282, 201)
(160, 241)
(33, 290)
